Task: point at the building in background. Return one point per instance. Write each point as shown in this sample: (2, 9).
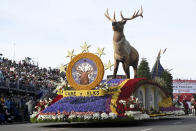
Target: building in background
(184, 89)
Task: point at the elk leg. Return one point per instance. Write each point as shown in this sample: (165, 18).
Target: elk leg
(135, 69)
(126, 70)
(135, 72)
(116, 64)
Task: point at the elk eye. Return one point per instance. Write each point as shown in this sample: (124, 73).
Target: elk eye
(114, 23)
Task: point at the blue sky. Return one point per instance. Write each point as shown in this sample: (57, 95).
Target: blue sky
(47, 29)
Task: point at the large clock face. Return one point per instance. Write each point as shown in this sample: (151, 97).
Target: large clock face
(84, 71)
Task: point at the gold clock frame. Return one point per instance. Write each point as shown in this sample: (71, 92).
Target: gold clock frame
(100, 71)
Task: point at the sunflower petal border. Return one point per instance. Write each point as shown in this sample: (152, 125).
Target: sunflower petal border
(100, 71)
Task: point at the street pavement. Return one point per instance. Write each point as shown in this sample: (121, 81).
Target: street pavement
(185, 123)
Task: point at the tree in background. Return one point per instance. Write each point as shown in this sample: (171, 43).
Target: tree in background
(143, 70)
(194, 96)
(168, 78)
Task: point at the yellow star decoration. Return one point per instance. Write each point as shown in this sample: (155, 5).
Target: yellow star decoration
(70, 54)
(85, 47)
(100, 52)
(62, 68)
(108, 66)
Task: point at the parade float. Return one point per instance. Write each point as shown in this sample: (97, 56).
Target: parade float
(83, 95)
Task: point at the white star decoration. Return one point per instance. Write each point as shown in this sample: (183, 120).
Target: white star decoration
(62, 68)
(108, 66)
(100, 52)
(70, 54)
(85, 47)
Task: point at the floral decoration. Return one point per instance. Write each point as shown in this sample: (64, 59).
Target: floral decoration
(81, 104)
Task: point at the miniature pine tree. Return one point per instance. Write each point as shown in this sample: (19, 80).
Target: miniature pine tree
(194, 96)
(168, 78)
(143, 70)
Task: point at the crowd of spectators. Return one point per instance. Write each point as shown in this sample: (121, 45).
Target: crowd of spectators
(27, 77)
(24, 75)
(16, 107)
(189, 107)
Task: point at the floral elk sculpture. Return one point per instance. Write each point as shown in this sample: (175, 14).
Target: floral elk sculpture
(123, 51)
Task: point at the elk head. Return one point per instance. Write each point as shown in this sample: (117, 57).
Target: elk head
(119, 25)
(84, 79)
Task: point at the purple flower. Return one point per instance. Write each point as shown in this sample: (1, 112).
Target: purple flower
(81, 104)
(169, 108)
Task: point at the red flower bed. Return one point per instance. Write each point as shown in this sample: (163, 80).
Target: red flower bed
(128, 88)
(57, 98)
(125, 94)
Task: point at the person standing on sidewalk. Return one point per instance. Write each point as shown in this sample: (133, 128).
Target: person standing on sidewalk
(30, 107)
(185, 107)
(193, 105)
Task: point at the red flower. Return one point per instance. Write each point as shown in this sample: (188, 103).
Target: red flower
(125, 93)
(57, 98)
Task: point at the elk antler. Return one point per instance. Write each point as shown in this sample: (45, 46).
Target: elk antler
(107, 16)
(136, 14)
(90, 70)
(78, 69)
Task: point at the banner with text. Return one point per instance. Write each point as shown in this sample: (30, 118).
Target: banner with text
(66, 93)
(184, 87)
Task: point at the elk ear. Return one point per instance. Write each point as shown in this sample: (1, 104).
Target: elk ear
(124, 22)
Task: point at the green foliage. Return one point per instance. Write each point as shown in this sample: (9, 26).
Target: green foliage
(160, 81)
(194, 96)
(168, 78)
(33, 120)
(143, 70)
